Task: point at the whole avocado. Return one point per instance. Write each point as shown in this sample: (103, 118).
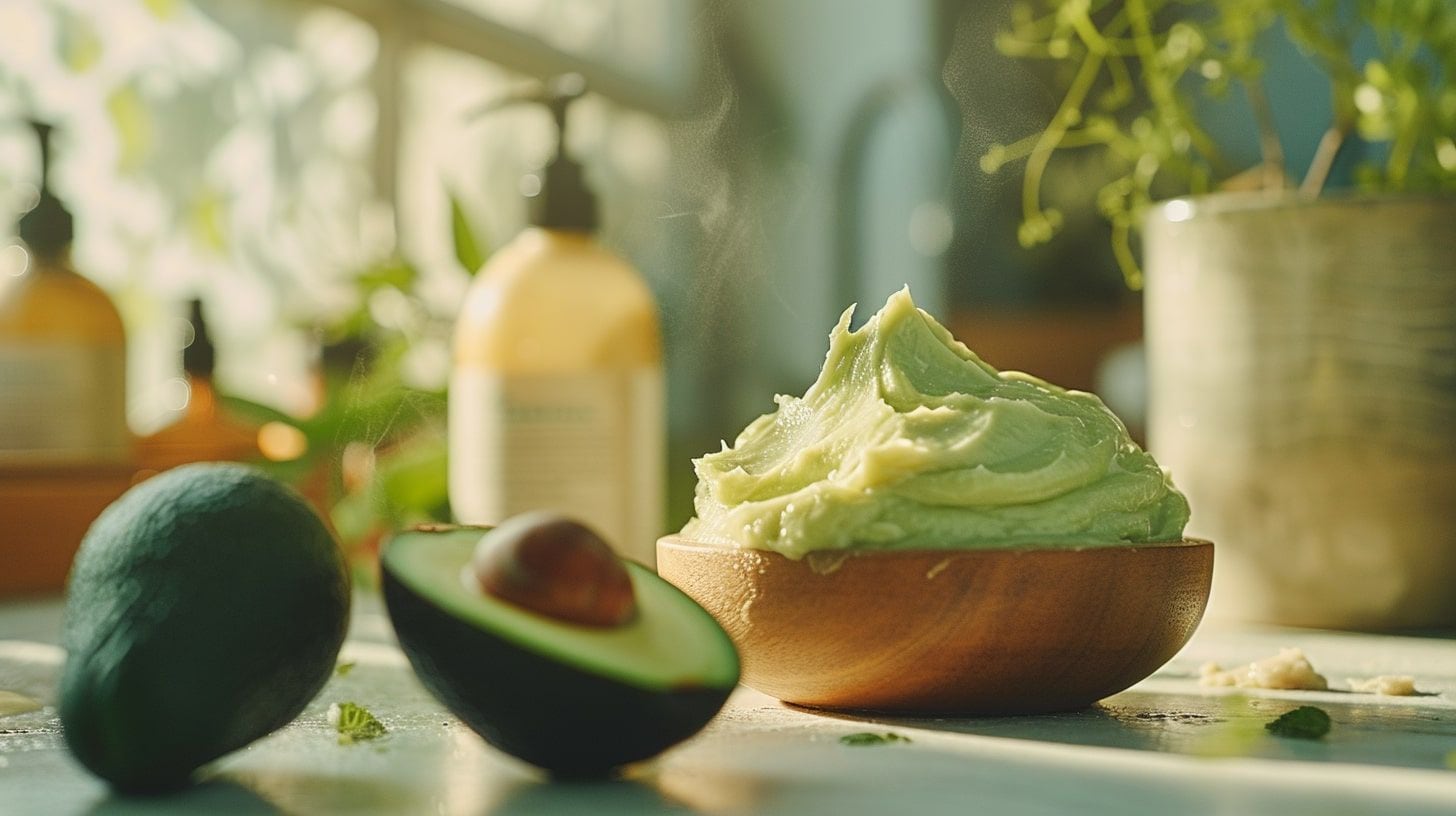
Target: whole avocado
(205, 609)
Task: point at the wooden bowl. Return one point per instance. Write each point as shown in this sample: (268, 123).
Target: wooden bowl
(948, 631)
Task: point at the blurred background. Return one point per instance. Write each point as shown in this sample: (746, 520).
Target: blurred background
(315, 174)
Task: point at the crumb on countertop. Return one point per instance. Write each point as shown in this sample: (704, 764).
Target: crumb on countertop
(1289, 669)
(1388, 685)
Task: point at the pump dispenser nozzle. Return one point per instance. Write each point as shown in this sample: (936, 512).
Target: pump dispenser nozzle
(47, 228)
(198, 356)
(563, 199)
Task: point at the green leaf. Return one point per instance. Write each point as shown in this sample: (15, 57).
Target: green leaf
(1305, 722)
(872, 738)
(468, 248)
(413, 479)
(355, 723)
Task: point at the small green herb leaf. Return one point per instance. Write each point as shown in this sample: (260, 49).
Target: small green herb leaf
(355, 723)
(468, 247)
(344, 668)
(870, 738)
(1305, 722)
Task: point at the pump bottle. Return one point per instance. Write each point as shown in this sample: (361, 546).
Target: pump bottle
(556, 392)
(62, 347)
(65, 449)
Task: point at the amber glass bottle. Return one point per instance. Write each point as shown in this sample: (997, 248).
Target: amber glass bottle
(62, 347)
(205, 432)
(65, 450)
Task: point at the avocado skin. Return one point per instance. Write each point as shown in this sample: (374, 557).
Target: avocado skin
(205, 609)
(570, 722)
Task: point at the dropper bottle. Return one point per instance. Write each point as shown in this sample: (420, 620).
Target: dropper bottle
(556, 391)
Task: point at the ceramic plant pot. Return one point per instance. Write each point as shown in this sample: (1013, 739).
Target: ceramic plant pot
(1302, 369)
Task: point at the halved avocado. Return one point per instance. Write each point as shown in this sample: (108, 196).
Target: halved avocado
(574, 700)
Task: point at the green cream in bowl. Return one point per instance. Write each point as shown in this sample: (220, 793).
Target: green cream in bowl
(922, 533)
(908, 440)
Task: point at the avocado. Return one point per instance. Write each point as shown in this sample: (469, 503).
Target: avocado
(574, 699)
(205, 608)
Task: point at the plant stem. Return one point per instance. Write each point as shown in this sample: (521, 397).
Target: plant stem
(1324, 159)
(1159, 89)
(1160, 86)
(1269, 147)
(1025, 146)
(1122, 251)
(1050, 138)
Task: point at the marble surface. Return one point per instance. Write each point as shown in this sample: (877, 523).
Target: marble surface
(1164, 746)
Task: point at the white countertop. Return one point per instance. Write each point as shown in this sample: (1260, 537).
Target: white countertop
(1164, 746)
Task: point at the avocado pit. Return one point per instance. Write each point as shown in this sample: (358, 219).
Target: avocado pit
(555, 567)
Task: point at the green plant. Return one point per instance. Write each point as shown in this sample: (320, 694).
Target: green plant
(375, 453)
(1132, 70)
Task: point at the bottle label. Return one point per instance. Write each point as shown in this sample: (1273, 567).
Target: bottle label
(62, 404)
(590, 446)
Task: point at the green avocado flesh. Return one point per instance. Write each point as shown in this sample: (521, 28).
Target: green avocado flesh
(574, 700)
(671, 643)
